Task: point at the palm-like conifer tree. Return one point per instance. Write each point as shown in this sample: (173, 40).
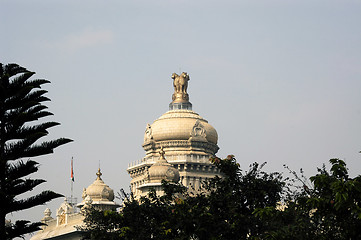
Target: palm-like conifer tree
(20, 107)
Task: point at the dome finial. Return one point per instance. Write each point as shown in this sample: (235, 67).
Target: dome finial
(180, 96)
(99, 173)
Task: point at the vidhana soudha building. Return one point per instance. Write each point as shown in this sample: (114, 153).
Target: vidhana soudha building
(177, 147)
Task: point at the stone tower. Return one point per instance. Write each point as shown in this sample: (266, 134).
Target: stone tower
(187, 139)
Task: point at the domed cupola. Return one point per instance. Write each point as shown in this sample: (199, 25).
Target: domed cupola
(100, 194)
(99, 191)
(180, 130)
(162, 170)
(154, 175)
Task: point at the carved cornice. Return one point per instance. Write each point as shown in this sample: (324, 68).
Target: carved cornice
(181, 114)
(185, 144)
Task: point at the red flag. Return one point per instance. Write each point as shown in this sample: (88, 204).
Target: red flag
(72, 172)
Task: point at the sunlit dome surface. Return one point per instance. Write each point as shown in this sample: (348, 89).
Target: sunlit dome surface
(179, 124)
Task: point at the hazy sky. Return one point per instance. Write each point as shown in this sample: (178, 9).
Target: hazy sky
(279, 80)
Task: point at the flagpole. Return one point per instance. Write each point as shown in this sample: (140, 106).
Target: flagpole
(71, 181)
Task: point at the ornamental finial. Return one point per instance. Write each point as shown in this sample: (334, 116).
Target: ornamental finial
(99, 174)
(180, 83)
(180, 97)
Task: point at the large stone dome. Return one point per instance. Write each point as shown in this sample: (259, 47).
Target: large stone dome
(180, 125)
(180, 130)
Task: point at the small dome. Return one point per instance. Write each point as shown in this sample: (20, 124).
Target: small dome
(180, 125)
(99, 191)
(162, 170)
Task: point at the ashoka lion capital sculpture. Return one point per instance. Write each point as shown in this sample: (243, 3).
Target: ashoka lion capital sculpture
(180, 83)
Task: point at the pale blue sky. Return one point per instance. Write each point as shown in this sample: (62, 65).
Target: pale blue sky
(279, 80)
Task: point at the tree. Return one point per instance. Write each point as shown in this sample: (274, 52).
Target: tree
(224, 210)
(335, 203)
(21, 104)
(329, 209)
(242, 206)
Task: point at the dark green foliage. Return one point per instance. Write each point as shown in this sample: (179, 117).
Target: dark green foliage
(223, 211)
(336, 200)
(20, 107)
(241, 206)
(328, 210)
